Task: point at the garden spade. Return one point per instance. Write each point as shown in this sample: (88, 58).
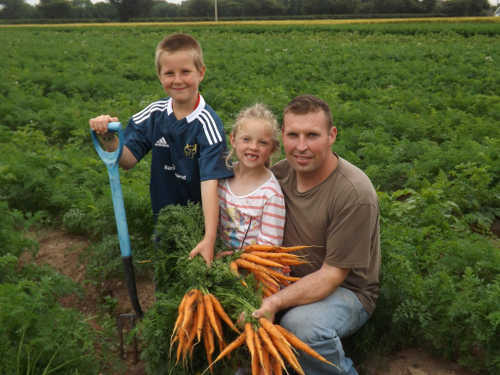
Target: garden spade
(111, 159)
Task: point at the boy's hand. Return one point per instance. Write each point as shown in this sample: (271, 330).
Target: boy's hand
(100, 123)
(100, 126)
(205, 248)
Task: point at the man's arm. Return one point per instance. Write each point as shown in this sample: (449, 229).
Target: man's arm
(310, 288)
(210, 205)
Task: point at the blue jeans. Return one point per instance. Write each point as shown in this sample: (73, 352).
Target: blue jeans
(321, 325)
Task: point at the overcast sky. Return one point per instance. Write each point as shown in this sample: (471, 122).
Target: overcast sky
(33, 2)
(493, 2)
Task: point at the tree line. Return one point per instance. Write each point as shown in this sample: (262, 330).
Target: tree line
(125, 10)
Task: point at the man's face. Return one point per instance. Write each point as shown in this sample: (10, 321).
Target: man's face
(307, 141)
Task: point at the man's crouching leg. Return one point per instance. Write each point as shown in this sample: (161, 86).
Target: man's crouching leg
(321, 325)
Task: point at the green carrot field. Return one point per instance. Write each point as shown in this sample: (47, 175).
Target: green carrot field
(417, 106)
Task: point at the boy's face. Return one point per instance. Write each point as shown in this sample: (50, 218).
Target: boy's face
(180, 78)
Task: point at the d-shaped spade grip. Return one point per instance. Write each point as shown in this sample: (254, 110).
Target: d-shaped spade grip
(109, 158)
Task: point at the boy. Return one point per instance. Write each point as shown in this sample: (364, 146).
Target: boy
(185, 135)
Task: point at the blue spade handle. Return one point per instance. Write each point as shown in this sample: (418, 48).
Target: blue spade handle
(111, 160)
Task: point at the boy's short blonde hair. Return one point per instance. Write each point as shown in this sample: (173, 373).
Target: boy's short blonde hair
(180, 42)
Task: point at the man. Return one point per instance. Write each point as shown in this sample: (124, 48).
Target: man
(331, 205)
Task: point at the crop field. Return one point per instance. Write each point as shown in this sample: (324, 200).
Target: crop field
(416, 104)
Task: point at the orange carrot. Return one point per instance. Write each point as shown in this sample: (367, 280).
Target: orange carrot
(172, 342)
(288, 249)
(273, 331)
(276, 256)
(276, 367)
(266, 292)
(233, 266)
(267, 254)
(260, 353)
(266, 286)
(299, 344)
(281, 276)
(180, 346)
(219, 309)
(281, 344)
(209, 349)
(285, 259)
(287, 353)
(250, 265)
(249, 333)
(180, 314)
(262, 261)
(208, 336)
(209, 311)
(228, 349)
(222, 343)
(200, 312)
(292, 262)
(255, 364)
(178, 321)
(189, 309)
(188, 347)
(256, 247)
(273, 352)
(266, 362)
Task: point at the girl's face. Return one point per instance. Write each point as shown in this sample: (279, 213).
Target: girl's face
(253, 143)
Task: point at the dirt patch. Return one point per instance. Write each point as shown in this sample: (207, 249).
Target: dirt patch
(412, 362)
(62, 251)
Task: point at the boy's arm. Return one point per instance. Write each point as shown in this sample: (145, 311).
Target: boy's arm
(210, 205)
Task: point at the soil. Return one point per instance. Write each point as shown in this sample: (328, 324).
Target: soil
(61, 251)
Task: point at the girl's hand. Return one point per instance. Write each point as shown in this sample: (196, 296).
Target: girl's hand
(205, 248)
(224, 254)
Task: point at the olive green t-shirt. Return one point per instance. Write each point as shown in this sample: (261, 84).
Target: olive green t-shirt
(340, 217)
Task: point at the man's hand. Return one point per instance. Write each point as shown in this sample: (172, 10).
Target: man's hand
(205, 248)
(267, 310)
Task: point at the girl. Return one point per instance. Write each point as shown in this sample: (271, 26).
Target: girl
(252, 207)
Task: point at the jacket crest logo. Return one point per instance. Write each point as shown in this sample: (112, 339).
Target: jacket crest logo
(190, 150)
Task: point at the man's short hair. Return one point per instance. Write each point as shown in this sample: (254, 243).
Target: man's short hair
(180, 42)
(304, 104)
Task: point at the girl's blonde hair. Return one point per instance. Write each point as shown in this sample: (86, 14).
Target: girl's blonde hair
(260, 112)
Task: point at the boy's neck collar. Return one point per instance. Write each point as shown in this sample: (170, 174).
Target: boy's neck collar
(199, 106)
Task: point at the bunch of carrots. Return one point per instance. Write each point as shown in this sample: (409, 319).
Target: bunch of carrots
(199, 316)
(269, 265)
(270, 345)
(272, 348)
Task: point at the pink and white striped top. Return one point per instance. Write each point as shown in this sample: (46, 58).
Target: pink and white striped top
(258, 217)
